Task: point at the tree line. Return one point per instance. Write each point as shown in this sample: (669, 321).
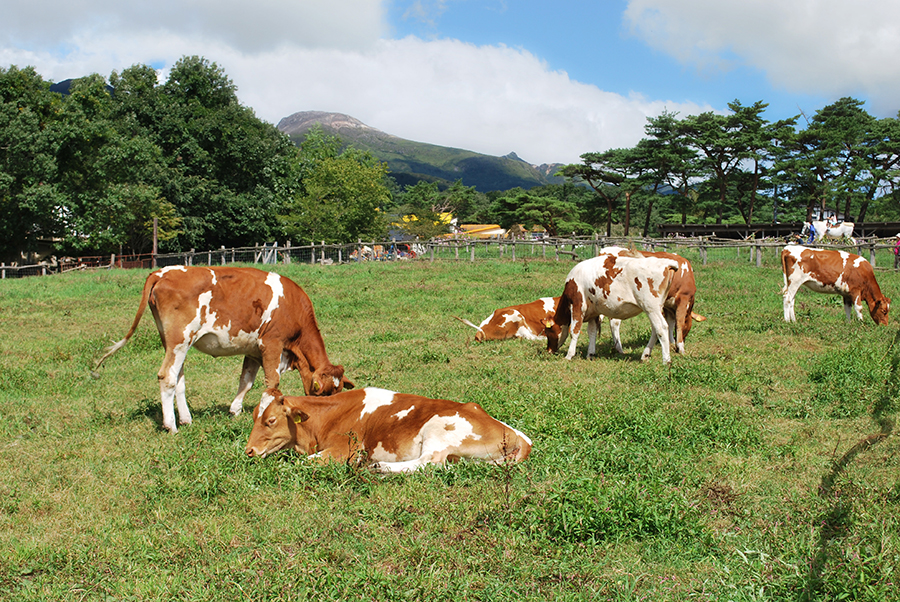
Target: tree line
(92, 170)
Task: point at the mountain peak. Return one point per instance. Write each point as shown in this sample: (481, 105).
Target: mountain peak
(411, 162)
(302, 121)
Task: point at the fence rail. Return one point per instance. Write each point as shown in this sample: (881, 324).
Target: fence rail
(879, 252)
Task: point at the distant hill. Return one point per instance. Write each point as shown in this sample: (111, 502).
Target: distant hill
(410, 162)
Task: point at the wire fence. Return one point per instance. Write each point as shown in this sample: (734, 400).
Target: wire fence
(761, 252)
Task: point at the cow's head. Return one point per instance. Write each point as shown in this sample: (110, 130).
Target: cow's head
(276, 426)
(328, 380)
(552, 331)
(879, 310)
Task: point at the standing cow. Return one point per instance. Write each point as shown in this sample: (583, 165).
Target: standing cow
(679, 305)
(835, 273)
(223, 311)
(616, 286)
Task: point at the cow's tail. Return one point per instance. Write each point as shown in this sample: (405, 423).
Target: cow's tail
(671, 271)
(464, 321)
(784, 271)
(145, 296)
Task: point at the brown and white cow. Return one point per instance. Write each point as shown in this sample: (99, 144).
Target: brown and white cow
(223, 311)
(679, 306)
(618, 287)
(524, 321)
(835, 273)
(394, 432)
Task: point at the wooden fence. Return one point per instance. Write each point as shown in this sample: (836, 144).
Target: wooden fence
(760, 252)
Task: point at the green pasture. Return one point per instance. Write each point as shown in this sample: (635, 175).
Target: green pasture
(762, 465)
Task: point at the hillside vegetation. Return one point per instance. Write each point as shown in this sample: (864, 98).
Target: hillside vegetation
(411, 162)
(760, 466)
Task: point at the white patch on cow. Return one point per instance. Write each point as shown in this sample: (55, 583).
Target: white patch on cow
(859, 261)
(513, 317)
(403, 413)
(379, 454)
(443, 432)
(273, 280)
(336, 381)
(215, 280)
(526, 333)
(548, 304)
(265, 402)
(374, 399)
(171, 268)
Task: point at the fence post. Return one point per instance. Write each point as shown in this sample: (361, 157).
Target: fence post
(703, 253)
(557, 251)
(112, 260)
(543, 248)
(596, 250)
(872, 254)
(3, 271)
(471, 246)
(513, 250)
(287, 252)
(501, 245)
(758, 256)
(456, 249)
(312, 246)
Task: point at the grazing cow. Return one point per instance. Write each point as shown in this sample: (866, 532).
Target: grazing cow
(392, 431)
(233, 311)
(524, 321)
(819, 230)
(615, 286)
(835, 273)
(679, 306)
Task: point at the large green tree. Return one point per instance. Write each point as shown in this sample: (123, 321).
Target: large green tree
(342, 195)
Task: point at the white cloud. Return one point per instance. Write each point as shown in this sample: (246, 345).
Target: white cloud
(826, 47)
(491, 99)
(247, 27)
(287, 56)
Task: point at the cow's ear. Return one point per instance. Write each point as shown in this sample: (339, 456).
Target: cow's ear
(297, 415)
(347, 384)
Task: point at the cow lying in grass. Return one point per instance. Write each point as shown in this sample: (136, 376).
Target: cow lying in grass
(525, 321)
(393, 432)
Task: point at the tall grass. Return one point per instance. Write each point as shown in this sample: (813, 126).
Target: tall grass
(760, 466)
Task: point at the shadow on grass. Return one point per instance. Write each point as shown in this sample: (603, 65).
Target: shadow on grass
(837, 518)
(152, 409)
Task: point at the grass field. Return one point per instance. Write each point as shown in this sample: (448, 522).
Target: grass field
(760, 466)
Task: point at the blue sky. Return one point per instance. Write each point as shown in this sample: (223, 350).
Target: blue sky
(548, 81)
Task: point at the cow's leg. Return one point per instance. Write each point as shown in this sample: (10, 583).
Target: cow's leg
(675, 322)
(660, 330)
(850, 305)
(790, 291)
(171, 377)
(614, 326)
(593, 331)
(576, 324)
(184, 414)
(249, 369)
(645, 355)
(576, 330)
